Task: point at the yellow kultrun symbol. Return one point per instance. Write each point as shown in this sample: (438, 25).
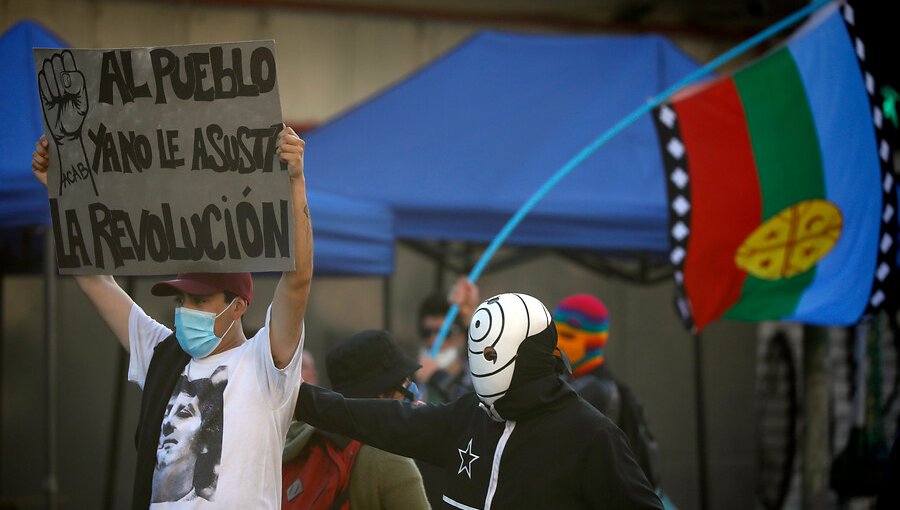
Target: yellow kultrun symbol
(792, 241)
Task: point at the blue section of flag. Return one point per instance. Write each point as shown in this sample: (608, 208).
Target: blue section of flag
(841, 112)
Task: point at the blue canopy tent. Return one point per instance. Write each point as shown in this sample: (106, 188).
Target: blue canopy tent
(456, 148)
(353, 236)
(23, 201)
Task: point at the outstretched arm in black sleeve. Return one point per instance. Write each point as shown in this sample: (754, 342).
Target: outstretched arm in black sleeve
(410, 430)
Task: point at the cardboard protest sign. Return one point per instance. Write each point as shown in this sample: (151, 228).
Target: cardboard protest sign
(164, 159)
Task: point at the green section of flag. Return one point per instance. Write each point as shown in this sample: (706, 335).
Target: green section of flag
(789, 164)
(782, 133)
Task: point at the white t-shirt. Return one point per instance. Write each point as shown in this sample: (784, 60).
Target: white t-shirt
(224, 427)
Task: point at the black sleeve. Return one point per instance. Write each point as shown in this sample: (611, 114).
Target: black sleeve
(634, 424)
(416, 431)
(448, 387)
(612, 477)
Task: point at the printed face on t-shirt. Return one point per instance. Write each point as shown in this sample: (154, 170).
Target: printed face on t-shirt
(178, 430)
(190, 440)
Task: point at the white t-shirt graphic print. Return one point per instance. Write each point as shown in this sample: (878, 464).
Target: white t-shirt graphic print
(190, 440)
(257, 401)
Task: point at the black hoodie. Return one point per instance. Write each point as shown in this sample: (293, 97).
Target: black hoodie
(551, 449)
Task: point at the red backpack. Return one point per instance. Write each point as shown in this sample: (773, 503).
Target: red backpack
(319, 477)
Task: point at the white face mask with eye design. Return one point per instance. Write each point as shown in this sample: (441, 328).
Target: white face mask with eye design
(498, 327)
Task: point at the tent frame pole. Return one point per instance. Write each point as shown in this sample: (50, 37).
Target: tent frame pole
(119, 382)
(2, 304)
(51, 483)
(386, 294)
(641, 267)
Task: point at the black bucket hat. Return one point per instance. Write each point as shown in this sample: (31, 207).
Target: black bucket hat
(367, 364)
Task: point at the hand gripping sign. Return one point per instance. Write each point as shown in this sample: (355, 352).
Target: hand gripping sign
(163, 159)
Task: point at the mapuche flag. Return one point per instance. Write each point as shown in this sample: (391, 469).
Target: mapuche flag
(782, 195)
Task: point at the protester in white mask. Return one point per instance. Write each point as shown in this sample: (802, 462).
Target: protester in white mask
(524, 439)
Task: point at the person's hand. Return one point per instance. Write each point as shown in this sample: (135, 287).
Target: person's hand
(465, 294)
(291, 148)
(40, 160)
(429, 367)
(63, 97)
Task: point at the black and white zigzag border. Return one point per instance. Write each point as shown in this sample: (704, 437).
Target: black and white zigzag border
(678, 191)
(887, 244)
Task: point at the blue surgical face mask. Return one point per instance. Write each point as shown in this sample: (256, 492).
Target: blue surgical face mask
(412, 393)
(195, 330)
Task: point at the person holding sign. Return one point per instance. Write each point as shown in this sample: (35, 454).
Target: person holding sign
(216, 405)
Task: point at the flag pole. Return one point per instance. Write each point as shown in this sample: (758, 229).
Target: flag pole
(700, 419)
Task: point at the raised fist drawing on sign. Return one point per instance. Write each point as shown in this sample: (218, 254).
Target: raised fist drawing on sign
(65, 104)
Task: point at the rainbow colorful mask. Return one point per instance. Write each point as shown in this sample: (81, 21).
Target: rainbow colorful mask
(582, 326)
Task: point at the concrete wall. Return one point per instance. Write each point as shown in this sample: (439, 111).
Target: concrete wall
(327, 62)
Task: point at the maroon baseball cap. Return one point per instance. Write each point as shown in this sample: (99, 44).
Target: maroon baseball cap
(204, 284)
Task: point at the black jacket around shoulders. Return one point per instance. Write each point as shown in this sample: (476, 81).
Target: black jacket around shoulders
(166, 366)
(553, 451)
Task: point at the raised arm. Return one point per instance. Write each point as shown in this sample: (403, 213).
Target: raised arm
(418, 431)
(465, 294)
(292, 293)
(111, 302)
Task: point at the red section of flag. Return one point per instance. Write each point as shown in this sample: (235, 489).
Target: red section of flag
(725, 197)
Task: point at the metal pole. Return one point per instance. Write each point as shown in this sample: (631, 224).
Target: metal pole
(386, 300)
(815, 418)
(862, 375)
(112, 457)
(51, 483)
(441, 266)
(700, 419)
(115, 420)
(2, 272)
